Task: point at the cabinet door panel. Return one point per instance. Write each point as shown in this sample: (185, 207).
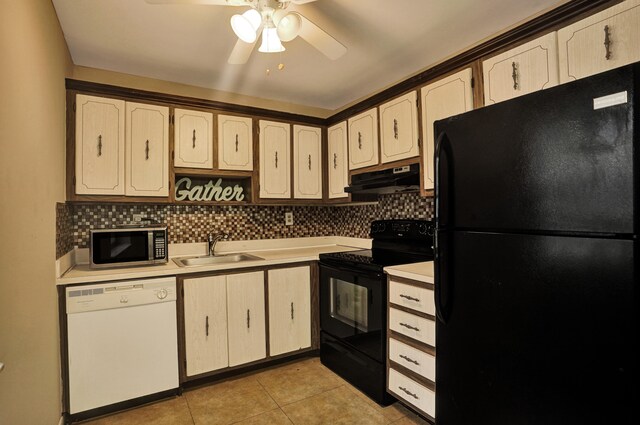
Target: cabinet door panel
(337, 160)
(289, 310)
(275, 158)
(527, 68)
(99, 146)
(147, 159)
(235, 143)
(363, 140)
(193, 133)
(399, 128)
(205, 324)
(307, 164)
(442, 99)
(246, 317)
(583, 47)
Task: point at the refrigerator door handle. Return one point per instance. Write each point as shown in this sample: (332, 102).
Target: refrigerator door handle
(442, 277)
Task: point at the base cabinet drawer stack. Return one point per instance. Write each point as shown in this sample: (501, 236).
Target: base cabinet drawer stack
(411, 365)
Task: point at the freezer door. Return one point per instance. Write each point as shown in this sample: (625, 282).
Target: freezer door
(536, 330)
(557, 160)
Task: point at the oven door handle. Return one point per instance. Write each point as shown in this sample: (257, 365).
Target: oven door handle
(347, 269)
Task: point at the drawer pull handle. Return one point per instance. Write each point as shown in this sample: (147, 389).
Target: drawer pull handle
(206, 325)
(100, 145)
(335, 161)
(413, 328)
(409, 297)
(309, 162)
(409, 359)
(146, 150)
(409, 393)
(359, 140)
(291, 311)
(248, 319)
(237, 143)
(276, 159)
(395, 129)
(515, 75)
(607, 42)
(194, 139)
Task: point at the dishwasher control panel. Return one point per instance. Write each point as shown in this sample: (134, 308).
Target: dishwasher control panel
(109, 295)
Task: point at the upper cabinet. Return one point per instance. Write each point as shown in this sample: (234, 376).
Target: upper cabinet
(337, 160)
(193, 144)
(399, 128)
(527, 68)
(99, 167)
(235, 143)
(147, 147)
(442, 99)
(307, 162)
(275, 160)
(601, 42)
(363, 139)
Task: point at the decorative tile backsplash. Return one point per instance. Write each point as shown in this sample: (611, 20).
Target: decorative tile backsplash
(189, 223)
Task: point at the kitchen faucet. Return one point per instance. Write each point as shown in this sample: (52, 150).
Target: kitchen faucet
(213, 240)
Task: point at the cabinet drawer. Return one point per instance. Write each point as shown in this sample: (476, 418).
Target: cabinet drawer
(422, 363)
(418, 328)
(412, 392)
(413, 297)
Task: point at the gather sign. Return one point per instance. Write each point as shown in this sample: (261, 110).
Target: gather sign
(215, 189)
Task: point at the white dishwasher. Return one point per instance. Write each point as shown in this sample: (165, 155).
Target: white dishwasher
(122, 341)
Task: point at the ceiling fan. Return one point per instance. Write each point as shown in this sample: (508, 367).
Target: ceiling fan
(271, 19)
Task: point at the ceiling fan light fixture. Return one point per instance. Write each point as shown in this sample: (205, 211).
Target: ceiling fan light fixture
(289, 26)
(270, 41)
(246, 25)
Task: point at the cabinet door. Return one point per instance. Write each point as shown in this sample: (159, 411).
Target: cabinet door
(99, 146)
(205, 324)
(235, 143)
(601, 42)
(442, 99)
(530, 67)
(147, 143)
(363, 140)
(337, 160)
(246, 317)
(193, 133)
(275, 159)
(307, 162)
(399, 128)
(289, 309)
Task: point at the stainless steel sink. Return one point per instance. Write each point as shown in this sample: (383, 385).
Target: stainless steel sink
(206, 260)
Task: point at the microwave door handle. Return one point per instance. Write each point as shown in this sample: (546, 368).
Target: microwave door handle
(150, 245)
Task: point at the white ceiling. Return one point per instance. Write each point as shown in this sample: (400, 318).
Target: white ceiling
(387, 41)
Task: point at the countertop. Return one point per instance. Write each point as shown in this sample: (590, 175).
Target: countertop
(82, 273)
(422, 272)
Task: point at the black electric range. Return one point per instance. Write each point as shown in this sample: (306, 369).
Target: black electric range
(353, 302)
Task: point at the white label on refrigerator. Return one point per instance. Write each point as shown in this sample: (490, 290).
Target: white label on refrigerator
(610, 100)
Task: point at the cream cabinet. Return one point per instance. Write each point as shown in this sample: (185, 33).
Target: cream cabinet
(444, 98)
(307, 162)
(147, 150)
(246, 317)
(289, 309)
(399, 135)
(527, 68)
(99, 143)
(363, 139)
(193, 134)
(338, 171)
(275, 160)
(235, 143)
(205, 324)
(601, 42)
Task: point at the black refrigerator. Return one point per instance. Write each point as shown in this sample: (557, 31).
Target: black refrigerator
(537, 257)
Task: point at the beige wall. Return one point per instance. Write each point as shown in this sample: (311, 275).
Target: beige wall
(35, 61)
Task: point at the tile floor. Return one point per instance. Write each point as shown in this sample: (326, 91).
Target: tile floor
(300, 393)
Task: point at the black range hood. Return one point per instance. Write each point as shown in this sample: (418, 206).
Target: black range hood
(392, 180)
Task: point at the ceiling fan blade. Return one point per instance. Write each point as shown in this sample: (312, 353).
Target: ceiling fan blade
(241, 52)
(206, 2)
(320, 39)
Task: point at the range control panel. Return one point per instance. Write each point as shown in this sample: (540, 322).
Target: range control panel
(401, 229)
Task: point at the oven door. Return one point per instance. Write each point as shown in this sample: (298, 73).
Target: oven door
(352, 307)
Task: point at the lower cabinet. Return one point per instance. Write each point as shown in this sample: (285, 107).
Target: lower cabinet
(289, 309)
(225, 317)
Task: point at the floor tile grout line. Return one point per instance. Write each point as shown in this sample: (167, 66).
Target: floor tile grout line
(186, 400)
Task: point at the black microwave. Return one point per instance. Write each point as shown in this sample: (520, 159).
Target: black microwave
(128, 246)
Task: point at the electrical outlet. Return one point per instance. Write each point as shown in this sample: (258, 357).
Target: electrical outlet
(137, 218)
(288, 218)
